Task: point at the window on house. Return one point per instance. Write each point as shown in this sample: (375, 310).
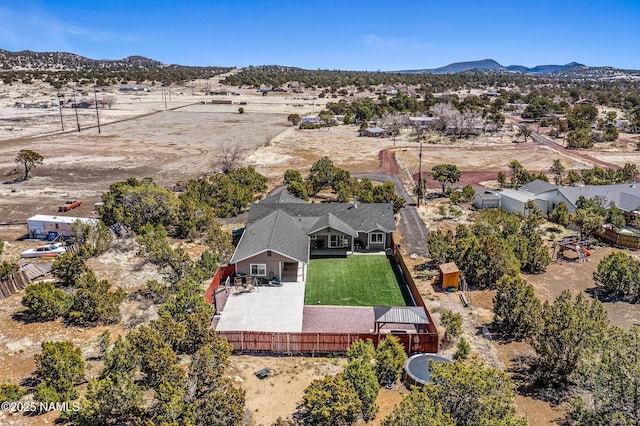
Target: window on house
(337, 241)
(313, 237)
(259, 269)
(376, 237)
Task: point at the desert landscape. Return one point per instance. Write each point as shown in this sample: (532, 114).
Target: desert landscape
(141, 137)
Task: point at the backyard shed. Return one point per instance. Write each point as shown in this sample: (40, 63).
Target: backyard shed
(449, 276)
(45, 226)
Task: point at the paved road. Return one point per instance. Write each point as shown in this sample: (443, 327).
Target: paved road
(413, 230)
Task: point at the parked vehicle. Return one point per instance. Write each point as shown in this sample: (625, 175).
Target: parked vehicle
(50, 250)
(69, 205)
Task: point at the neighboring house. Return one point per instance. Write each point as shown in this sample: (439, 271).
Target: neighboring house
(515, 201)
(43, 226)
(547, 196)
(373, 132)
(423, 121)
(622, 123)
(284, 232)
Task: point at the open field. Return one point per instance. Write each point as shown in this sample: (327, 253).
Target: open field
(178, 144)
(357, 280)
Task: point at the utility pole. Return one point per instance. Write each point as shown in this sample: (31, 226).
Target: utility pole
(75, 105)
(60, 97)
(95, 95)
(420, 175)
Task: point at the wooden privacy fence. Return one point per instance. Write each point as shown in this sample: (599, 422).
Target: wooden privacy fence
(320, 343)
(13, 284)
(413, 289)
(222, 273)
(620, 240)
(19, 280)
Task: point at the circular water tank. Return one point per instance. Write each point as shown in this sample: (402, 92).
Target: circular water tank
(417, 370)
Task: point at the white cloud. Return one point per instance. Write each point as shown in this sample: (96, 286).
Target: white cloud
(37, 29)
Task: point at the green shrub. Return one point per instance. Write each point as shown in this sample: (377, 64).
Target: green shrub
(46, 302)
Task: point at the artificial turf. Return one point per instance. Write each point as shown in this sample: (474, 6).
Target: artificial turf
(356, 280)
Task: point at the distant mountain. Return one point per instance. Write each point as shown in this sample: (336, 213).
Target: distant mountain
(544, 69)
(28, 59)
(492, 65)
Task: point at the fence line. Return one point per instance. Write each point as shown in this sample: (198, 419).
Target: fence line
(327, 343)
(13, 283)
(320, 343)
(620, 240)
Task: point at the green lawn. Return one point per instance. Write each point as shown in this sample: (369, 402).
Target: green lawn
(353, 281)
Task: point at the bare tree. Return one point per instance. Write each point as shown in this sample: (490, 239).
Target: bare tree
(229, 156)
(394, 122)
(460, 123)
(109, 100)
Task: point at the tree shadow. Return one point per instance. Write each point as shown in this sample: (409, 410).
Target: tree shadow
(521, 372)
(16, 180)
(25, 317)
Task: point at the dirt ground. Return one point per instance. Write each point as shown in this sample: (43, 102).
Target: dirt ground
(140, 137)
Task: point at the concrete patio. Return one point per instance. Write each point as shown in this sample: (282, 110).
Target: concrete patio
(274, 309)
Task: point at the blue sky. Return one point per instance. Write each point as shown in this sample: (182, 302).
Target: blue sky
(351, 35)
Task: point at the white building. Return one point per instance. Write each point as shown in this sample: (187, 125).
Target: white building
(45, 226)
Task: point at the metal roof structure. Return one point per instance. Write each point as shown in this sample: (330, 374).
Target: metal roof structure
(538, 186)
(399, 315)
(60, 219)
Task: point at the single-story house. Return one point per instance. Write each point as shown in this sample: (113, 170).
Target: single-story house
(423, 121)
(373, 132)
(45, 226)
(284, 232)
(547, 196)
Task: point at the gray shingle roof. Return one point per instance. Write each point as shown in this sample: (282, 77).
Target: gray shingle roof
(366, 217)
(331, 221)
(276, 232)
(284, 227)
(283, 197)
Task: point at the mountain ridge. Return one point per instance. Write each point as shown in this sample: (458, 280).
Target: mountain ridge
(28, 59)
(491, 64)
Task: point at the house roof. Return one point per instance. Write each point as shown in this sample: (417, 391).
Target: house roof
(276, 232)
(538, 187)
(365, 217)
(400, 315)
(60, 219)
(516, 194)
(284, 227)
(330, 220)
(625, 196)
(488, 196)
(282, 197)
